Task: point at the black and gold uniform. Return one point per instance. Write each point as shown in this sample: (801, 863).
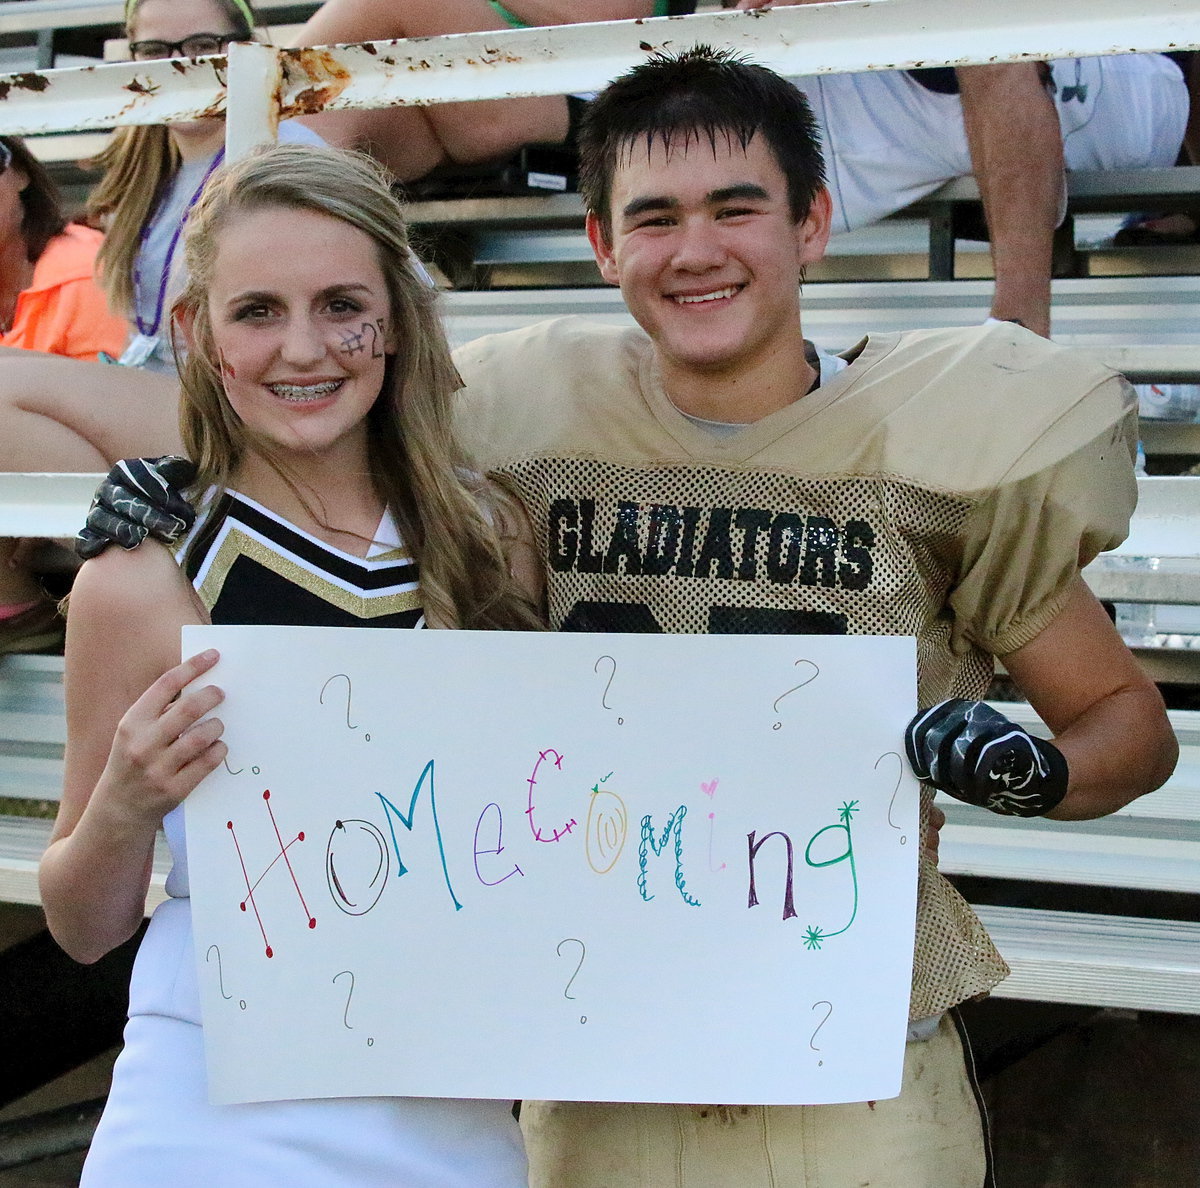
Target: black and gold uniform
(250, 566)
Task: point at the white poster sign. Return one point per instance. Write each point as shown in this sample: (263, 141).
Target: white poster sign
(593, 867)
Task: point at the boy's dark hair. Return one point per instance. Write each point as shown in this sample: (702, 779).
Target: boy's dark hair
(701, 92)
(42, 216)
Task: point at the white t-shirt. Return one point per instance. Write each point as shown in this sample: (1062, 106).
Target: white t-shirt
(889, 142)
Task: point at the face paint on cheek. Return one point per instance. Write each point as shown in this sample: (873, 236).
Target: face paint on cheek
(352, 344)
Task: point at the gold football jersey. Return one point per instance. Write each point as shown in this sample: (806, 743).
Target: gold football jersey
(947, 485)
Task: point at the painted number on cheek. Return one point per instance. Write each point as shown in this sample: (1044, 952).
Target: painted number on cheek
(377, 332)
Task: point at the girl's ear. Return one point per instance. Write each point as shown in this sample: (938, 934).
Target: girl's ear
(184, 318)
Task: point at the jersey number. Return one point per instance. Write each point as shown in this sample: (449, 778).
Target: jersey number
(722, 620)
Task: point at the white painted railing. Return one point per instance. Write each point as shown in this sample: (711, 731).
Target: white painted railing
(847, 35)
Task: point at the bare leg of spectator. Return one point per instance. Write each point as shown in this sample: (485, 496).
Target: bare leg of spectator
(1016, 151)
(410, 140)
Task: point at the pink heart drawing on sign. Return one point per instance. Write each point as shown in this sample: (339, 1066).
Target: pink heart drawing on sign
(709, 788)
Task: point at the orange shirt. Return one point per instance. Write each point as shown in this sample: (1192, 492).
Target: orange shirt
(63, 312)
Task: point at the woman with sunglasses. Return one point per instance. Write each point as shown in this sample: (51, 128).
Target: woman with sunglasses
(49, 300)
(154, 175)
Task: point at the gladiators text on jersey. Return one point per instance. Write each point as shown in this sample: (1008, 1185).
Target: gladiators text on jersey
(745, 543)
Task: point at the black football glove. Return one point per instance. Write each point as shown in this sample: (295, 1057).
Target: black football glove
(972, 752)
(139, 498)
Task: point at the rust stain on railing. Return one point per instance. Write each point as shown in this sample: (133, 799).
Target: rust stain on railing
(31, 80)
(327, 79)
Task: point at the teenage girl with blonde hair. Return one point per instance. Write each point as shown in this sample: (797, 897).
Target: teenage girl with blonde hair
(316, 407)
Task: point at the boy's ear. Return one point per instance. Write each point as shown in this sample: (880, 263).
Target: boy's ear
(813, 230)
(602, 250)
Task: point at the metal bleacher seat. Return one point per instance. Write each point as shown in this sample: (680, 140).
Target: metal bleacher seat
(33, 731)
(509, 234)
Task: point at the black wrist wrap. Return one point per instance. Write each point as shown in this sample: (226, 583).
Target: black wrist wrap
(972, 752)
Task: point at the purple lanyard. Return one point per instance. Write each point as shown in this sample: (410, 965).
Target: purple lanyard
(151, 330)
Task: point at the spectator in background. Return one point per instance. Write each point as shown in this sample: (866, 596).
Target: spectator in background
(892, 137)
(412, 141)
(49, 300)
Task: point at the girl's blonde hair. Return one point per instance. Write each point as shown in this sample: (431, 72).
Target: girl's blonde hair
(138, 163)
(445, 517)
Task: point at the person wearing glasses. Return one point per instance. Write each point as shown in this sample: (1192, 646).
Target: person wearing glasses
(153, 176)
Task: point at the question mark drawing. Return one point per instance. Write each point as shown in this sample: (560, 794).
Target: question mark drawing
(221, 974)
(899, 777)
(349, 996)
(816, 672)
(821, 1002)
(573, 940)
(611, 675)
(349, 694)
(346, 1012)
